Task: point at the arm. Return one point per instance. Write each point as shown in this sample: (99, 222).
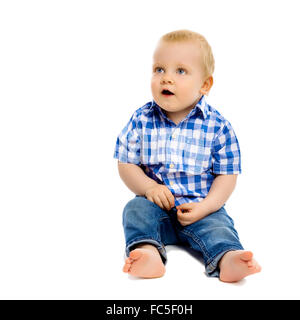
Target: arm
(134, 178)
(219, 193)
(226, 165)
(140, 184)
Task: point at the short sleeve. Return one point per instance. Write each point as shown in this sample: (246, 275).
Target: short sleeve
(226, 157)
(127, 147)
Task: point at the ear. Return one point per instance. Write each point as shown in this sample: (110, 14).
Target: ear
(207, 84)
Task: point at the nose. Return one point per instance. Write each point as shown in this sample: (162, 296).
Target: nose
(166, 80)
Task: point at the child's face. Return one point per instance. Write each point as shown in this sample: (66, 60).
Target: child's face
(177, 68)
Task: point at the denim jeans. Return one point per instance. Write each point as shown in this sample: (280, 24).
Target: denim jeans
(212, 236)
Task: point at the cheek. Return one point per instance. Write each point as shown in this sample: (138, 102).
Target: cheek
(193, 87)
(154, 85)
(189, 91)
(185, 88)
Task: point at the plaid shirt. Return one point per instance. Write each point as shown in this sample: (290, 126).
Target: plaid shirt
(185, 157)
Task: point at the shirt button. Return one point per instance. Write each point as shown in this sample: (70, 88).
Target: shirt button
(171, 165)
(171, 183)
(174, 136)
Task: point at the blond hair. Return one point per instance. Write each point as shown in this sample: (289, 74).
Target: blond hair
(187, 35)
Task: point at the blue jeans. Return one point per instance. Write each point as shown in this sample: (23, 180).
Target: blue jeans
(212, 236)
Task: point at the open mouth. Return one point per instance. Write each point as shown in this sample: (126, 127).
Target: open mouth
(167, 92)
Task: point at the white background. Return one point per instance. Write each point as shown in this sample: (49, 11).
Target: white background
(71, 75)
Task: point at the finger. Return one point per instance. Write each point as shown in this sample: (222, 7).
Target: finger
(170, 200)
(150, 199)
(181, 218)
(182, 213)
(167, 201)
(179, 215)
(164, 201)
(185, 206)
(170, 197)
(158, 202)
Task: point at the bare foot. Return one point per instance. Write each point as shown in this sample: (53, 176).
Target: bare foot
(144, 262)
(236, 265)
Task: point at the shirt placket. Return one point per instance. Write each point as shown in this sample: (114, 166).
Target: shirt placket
(171, 156)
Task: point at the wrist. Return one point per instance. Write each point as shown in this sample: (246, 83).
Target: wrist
(208, 205)
(148, 185)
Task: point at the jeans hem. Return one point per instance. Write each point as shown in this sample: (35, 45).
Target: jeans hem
(160, 247)
(212, 269)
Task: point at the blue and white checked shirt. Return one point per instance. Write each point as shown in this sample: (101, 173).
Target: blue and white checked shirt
(185, 157)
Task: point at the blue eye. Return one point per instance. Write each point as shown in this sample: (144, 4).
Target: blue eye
(181, 71)
(159, 70)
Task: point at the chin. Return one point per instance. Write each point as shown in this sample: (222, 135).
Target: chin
(166, 107)
(165, 104)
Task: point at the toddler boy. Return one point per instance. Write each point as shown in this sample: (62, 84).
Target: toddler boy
(181, 158)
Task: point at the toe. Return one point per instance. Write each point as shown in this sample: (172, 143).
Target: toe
(135, 254)
(126, 267)
(255, 267)
(246, 255)
(258, 268)
(128, 260)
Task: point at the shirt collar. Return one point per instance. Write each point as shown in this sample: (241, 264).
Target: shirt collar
(201, 107)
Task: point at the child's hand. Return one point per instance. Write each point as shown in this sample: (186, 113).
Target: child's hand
(189, 213)
(162, 196)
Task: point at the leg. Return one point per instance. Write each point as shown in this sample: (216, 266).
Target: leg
(144, 246)
(214, 236)
(144, 262)
(236, 265)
